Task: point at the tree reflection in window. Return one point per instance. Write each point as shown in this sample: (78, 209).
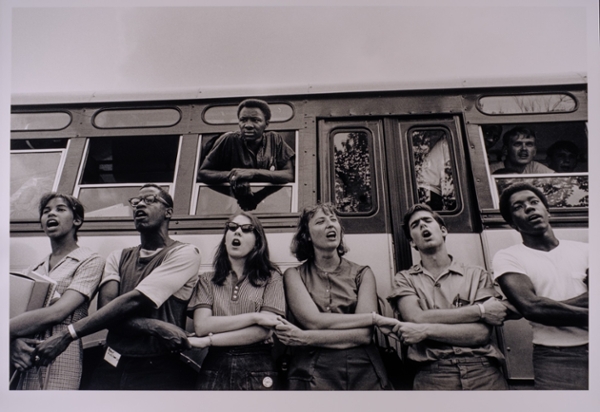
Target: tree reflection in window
(352, 184)
(564, 191)
(433, 168)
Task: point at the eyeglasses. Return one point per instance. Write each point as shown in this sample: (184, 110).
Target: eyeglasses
(148, 199)
(245, 228)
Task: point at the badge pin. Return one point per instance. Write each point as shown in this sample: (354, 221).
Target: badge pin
(267, 382)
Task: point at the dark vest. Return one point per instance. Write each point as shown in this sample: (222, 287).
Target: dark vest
(133, 269)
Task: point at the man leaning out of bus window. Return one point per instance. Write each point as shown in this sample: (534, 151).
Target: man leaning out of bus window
(250, 154)
(447, 310)
(519, 149)
(143, 297)
(546, 280)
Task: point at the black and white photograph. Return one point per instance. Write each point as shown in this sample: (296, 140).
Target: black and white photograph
(299, 204)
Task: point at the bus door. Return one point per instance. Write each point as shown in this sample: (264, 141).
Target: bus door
(374, 170)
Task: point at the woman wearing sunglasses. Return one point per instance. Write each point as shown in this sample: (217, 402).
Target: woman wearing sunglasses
(235, 309)
(333, 301)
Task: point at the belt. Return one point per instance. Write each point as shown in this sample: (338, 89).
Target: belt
(475, 360)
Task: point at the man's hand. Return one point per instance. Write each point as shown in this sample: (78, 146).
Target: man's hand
(237, 175)
(49, 349)
(22, 353)
(173, 337)
(411, 333)
(495, 312)
(289, 334)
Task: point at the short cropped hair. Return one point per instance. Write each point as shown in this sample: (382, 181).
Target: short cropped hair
(419, 207)
(72, 202)
(257, 104)
(302, 246)
(163, 193)
(516, 131)
(562, 145)
(505, 209)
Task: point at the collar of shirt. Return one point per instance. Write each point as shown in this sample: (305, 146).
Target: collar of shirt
(454, 267)
(78, 255)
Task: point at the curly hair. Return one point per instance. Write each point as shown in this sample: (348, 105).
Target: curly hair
(256, 104)
(302, 246)
(505, 210)
(258, 265)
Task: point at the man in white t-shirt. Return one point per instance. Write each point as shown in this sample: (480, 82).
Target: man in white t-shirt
(143, 298)
(546, 280)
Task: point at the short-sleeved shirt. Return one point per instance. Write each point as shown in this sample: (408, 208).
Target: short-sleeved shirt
(231, 151)
(557, 274)
(460, 285)
(238, 296)
(531, 168)
(176, 276)
(80, 271)
(433, 170)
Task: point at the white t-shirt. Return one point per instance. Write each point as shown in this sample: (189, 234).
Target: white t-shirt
(558, 275)
(176, 275)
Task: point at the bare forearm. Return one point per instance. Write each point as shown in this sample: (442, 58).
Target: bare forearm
(465, 314)
(337, 339)
(273, 176)
(137, 326)
(552, 313)
(30, 323)
(245, 336)
(468, 334)
(581, 301)
(213, 176)
(219, 324)
(337, 320)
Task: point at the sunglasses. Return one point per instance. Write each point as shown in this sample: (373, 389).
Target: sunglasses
(148, 199)
(245, 228)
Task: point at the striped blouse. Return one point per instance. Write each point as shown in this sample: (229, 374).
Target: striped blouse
(236, 297)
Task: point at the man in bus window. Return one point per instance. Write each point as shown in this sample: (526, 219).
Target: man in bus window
(447, 310)
(546, 280)
(435, 178)
(143, 298)
(250, 154)
(563, 156)
(519, 150)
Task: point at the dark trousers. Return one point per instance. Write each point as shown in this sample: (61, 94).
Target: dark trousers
(460, 374)
(249, 367)
(166, 372)
(561, 368)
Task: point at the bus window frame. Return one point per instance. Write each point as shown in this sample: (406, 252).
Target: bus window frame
(125, 109)
(68, 113)
(198, 185)
(78, 186)
(478, 104)
(374, 187)
(59, 169)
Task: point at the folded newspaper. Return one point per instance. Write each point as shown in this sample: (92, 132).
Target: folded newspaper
(30, 291)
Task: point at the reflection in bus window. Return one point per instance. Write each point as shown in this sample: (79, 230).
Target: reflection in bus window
(32, 173)
(561, 191)
(433, 168)
(222, 153)
(352, 181)
(527, 103)
(116, 166)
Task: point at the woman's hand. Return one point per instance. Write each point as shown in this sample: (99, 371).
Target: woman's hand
(385, 324)
(22, 353)
(267, 319)
(289, 334)
(197, 342)
(411, 333)
(49, 349)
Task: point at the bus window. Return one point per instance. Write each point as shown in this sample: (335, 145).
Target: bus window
(353, 170)
(261, 197)
(115, 168)
(433, 168)
(34, 170)
(550, 156)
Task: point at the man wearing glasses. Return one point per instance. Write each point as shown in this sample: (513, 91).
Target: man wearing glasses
(143, 297)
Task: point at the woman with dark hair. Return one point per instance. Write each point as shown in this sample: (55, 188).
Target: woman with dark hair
(235, 308)
(333, 301)
(77, 272)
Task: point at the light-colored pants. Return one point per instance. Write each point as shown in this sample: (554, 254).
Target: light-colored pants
(460, 374)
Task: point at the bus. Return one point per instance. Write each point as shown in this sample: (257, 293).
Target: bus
(370, 152)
